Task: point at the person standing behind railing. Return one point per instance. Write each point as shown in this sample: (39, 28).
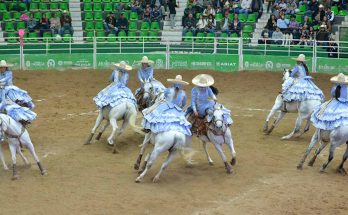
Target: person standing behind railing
(172, 12)
(44, 25)
(278, 36)
(55, 24)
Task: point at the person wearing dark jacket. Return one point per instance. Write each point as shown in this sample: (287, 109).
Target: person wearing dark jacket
(65, 22)
(110, 23)
(122, 23)
(172, 12)
(189, 24)
(332, 49)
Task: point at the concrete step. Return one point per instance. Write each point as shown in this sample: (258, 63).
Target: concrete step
(171, 33)
(171, 38)
(176, 28)
(76, 24)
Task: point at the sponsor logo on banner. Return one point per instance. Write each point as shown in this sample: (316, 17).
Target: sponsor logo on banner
(269, 65)
(159, 63)
(51, 63)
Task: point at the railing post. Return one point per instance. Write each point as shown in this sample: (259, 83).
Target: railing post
(94, 52)
(215, 45)
(314, 58)
(21, 57)
(167, 55)
(240, 54)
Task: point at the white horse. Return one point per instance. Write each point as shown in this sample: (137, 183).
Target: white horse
(171, 141)
(17, 135)
(125, 111)
(150, 89)
(304, 110)
(19, 151)
(336, 138)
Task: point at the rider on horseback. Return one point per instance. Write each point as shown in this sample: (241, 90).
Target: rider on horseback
(145, 73)
(299, 86)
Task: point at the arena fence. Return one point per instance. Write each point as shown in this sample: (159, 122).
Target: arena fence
(221, 54)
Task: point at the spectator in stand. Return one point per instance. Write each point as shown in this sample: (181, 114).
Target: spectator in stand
(65, 22)
(211, 28)
(156, 15)
(283, 5)
(122, 23)
(122, 7)
(304, 36)
(245, 6)
(306, 22)
(28, 2)
(332, 49)
(235, 26)
(44, 24)
(225, 23)
(110, 24)
(147, 14)
(330, 15)
(341, 4)
(294, 27)
(277, 37)
(136, 7)
(271, 24)
(283, 23)
(55, 24)
(327, 23)
(201, 24)
(189, 24)
(189, 10)
(320, 12)
(198, 5)
(209, 11)
(172, 12)
(322, 35)
(326, 3)
(264, 37)
(218, 3)
(226, 7)
(31, 23)
(312, 35)
(270, 5)
(312, 8)
(291, 7)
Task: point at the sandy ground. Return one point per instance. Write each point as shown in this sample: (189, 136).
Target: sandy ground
(91, 180)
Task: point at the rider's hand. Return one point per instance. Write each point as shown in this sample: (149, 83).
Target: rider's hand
(196, 114)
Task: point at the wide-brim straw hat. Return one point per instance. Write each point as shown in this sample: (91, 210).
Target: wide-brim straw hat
(123, 65)
(323, 26)
(4, 64)
(301, 57)
(203, 80)
(145, 59)
(340, 79)
(178, 80)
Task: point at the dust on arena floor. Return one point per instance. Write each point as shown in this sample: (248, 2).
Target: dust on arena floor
(91, 180)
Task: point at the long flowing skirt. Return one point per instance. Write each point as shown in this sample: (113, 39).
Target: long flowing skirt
(330, 115)
(167, 117)
(301, 90)
(20, 113)
(21, 97)
(113, 95)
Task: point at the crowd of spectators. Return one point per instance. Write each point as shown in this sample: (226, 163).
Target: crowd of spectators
(287, 25)
(200, 15)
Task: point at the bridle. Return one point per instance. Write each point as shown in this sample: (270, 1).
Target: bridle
(212, 126)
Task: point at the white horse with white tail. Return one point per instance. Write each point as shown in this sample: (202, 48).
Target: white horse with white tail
(303, 108)
(17, 136)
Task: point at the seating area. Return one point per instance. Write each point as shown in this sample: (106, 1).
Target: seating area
(94, 13)
(15, 15)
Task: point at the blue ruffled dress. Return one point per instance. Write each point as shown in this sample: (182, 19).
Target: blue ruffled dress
(117, 92)
(300, 87)
(333, 113)
(14, 93)
(168, 116)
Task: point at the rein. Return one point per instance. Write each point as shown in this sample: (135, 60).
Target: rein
(216, 133)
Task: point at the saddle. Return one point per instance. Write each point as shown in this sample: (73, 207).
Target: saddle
(140, 101)
(199, 125)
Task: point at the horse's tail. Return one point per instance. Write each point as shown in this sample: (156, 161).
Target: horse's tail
(185, 149)
(132, 119)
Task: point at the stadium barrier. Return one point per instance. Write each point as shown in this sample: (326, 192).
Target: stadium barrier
(221, 54)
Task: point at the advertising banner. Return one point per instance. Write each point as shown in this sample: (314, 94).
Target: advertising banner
(105, 60)
(332, 65)
(58, 61)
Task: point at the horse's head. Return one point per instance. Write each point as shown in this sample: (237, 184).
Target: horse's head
(216, 116)
(149, 90)
(286, 74)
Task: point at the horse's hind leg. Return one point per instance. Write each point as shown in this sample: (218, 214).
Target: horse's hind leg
(13, 147)
(111, 138)
(296, 129)
(317, 152)
(97, 124)
(314, 140)
(340, 168)
(223, 157)
(154, 154)
(25, 160)
(277, 106)
(3, 159)
(211, 162)
(102, 130)
(331, 156)
(143, 146)
(169, 159)
(230, 146)
(275, 123)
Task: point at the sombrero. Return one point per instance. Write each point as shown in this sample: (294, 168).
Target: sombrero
(339, 79)
(301, 57)
(203, 80)
(178, 80)
(4, 64)
(123, 65)
(145, 59)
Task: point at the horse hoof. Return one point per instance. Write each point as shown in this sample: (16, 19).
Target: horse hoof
(299, 166)
(341, 171)
(15, 177)
(233, 161)
(322, 170)
(311, 163)
(87, 143)
(155, 179)
(28, 165)
(138, 180)
(211, 163)
(136, 166)
(44, 173)
(229, 171)
(114, 151)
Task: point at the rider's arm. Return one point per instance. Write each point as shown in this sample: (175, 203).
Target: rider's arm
(7, 79)
(139, 76)
(125, 78)
(184, 100)
(211, 94)
(151, 73)
(193, 100)
(294, 72)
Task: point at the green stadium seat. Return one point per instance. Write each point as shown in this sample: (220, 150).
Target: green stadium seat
(23, 5)
(67, 38)
(298, 18)
(219, 17)
(153, 36)
(106, 1)
(3, 7)
(302, 8)
(99, 26)
(87, 1)
(133, 16)
(108, 7)
(209, 38)
(20, 25)
(43, 6)
(89, 26)
(234, 35)
(125, 1)
(36, 1)
(116, 1)
(334, 9)
(9, 27)
(155, 26)
(145, 26)
(132, 36)
(222, 36)
(48, 14)
(98, 16)
(33, 37)
(88, 16)
(230, 16)
(37, 16)
(89, 36)
(97, 7)
(17, 16)
(47, 37)
(66, 1)
(248, 28)
(122, 36)
(343, 13)
(133, 26)
(251, 18)
(12, 38)
(96, 1)
(63, 6)
(143, 36)
(111, 38)
(246, 37)
(6, 17)
(34, 6)
(100, 36)
(54, 6)
(88, 7)
(242, 17)
(200, 37)
(198, 15)
(188, 37)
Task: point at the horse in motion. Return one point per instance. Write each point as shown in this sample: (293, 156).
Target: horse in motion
(304, 110)
(149, 89)
(17, 136)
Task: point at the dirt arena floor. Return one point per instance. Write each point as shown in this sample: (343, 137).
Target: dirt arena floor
(91, 180)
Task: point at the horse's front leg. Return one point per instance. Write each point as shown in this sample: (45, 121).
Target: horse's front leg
(296, 129)
(3, 159)
(13, 148)
(27, 142)
(165, 164)
(143, 146)
(317, 152)
(229, 142)
(97, 124)
(276, 107)
(331, 156)
(153, 156)
(223, 157)
(211, 162)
